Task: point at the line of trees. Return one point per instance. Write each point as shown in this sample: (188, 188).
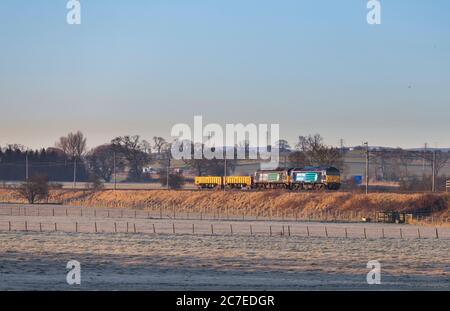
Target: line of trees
(71, 160)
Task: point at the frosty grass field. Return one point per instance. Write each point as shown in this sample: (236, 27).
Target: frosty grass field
(36, 260)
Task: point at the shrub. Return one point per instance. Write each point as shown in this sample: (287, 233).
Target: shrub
(34, 189)
(176, 180)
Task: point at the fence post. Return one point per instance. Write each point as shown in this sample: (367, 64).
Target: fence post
(108, 213)
(154, 229)
(382, 232)
(346, 234)
(365, 233)
(173, 228)
(40, 227)
(115, 227)
(24, 211)
(270, 230)
(56, 229)
(282, 231)
(134, 227)
(289, 230)
(437, 233)
(9, 225)
(95, 227)
(212, 229)
(26, 226)
(326, 232)
(76, 227)
(193, 228)
(127, 226)
(251, 230)
(418, 232)
(38, 211)
(231, 229)
(401, 233)
(307, 230)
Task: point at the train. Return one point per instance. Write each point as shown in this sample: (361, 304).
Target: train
(306, 178)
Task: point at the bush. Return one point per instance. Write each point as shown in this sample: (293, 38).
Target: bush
(34, 189)
(176, 180)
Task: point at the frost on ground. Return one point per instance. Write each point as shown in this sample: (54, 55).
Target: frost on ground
(37, 261)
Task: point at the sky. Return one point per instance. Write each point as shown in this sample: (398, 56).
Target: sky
(141, 66)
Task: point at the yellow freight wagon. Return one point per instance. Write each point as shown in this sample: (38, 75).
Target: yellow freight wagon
(238, 181)
(333, 179)
(208, 181)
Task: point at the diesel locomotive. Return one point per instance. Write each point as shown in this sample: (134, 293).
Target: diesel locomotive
(306, 178)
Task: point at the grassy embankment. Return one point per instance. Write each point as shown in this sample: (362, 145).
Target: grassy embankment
(329, 206)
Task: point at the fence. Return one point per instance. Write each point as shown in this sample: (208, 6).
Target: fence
(205, 213)
(224, 228)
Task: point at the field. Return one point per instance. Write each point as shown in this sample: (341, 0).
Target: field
(203, 262)
(165, 253)
(215, 240)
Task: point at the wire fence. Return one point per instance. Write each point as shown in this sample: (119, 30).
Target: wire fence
(222, 229)
(83, 220)
(174, 212)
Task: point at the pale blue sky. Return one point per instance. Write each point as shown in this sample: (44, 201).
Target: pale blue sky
(139, 66)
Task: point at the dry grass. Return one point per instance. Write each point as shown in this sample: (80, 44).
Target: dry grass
(252, 203)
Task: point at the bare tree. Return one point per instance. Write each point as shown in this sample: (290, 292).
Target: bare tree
(405, 158)
(73, 145)
(440, 157)
(34, 189)
(282, 145)
(101, 161)
(133, 150)
(213, 166)
(317, 153)
(159, 144)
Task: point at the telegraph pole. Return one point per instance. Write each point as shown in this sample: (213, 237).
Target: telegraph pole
(367, 167)
(225, 173)
(74, 172)
(26, 166)
(433, 182)
(168, 168)
(424, 158)
(114, 171)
